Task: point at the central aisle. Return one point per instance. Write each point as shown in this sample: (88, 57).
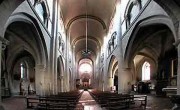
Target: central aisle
(88, 103)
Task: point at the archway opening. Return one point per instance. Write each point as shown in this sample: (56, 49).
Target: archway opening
(153, 52)
(23, 75)
(146, 71)
(60, 74)
(113, 74)
(24, 51)
(85, 72)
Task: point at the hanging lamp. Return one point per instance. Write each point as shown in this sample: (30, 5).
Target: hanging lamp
(86, 52)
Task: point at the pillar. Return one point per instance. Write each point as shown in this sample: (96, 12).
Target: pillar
(41, 87)
(72, 80)
(123, 80)
(0, 72)
(61, 84)
(175, 98)
(103, 85)
(177, 44)
(178, 71)
(3, 43)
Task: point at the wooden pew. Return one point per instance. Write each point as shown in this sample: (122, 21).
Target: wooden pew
(32, 102)
(114, 101)
(62, 101)
(142, 99)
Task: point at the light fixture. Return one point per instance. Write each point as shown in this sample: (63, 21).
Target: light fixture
(86, 24)
(86, 52)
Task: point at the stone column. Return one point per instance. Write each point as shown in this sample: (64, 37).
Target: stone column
(61, 84)
(110, 83)
(178, 71)
(41, 87)
(123, 72)
(3, 43)
(72, 80)
(123, 81)
(103, 85)
(0, 70)
(176, 98)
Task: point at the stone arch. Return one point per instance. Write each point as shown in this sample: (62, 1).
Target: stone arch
(84, 16)
(86, 72)
(14, 73)
(171, 8)
(112, 69)
(131, 4)
(152, 21)
(153, 66)
(24, 35)
(153, 40)
(28, 20)
(11, 6)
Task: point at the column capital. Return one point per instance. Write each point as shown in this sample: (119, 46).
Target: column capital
(40, 66)
(177, 42)
(3, 40)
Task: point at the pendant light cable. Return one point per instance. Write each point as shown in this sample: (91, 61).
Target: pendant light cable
(86, 25)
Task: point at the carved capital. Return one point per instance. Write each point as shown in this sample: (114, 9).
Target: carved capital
(176, 43)
(5, 42)
(42, 67)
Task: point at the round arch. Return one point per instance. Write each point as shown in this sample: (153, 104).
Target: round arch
(112, 70)
(113, 62)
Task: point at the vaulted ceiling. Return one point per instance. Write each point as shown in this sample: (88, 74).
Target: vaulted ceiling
(98, 14)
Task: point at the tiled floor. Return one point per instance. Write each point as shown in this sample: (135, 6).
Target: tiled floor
(86, 102)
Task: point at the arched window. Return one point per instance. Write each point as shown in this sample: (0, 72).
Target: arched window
(60, 40)
(40, 11)
(146, 71)
(109, 47)
(143, 2)
(62, 47)
(133, 12)
(85, 68)
(43, 11)
(23, 70)
(32, 2)
(114, 39)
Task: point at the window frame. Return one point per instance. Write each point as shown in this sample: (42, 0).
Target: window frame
(46, 13)
(144, 78)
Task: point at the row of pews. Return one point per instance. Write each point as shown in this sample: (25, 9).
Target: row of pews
(62, 101)
(114, 101)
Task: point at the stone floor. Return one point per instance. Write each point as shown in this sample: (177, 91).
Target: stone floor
(86, 102)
